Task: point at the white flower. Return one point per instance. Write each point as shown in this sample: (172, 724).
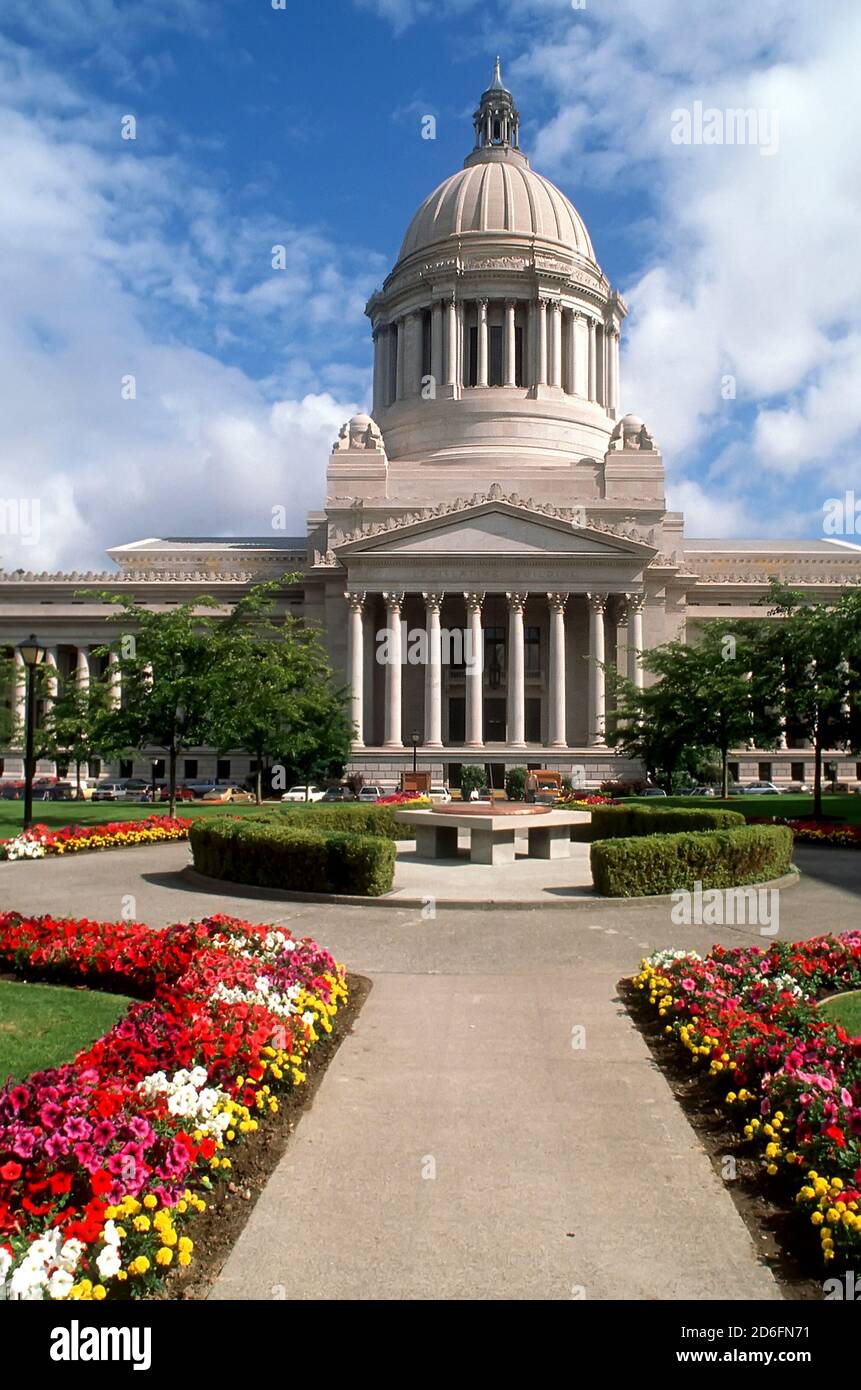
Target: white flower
(60, 1284)
(108, 1262)
(110, 1234)
(5, 1264)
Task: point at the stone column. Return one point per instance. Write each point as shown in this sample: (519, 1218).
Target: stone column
(20, 697)
(116, 681)
(541, 346)
(516, 731)
(356, 665)
(436, 343)
(413, 355)
(510, 343)
(597, 684)
(460, 372)
(612, 369)
(400, 378)
(557, 734)
(474, 672)
(433, 683)
(451, 343)
(481, 378)
(635, 638)
(379, 365)
(592, 366)
(52, 682)
(394, 672)
(570, 374)
(556, 344)
(82, 669)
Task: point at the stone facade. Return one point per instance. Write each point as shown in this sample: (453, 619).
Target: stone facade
(493, 530)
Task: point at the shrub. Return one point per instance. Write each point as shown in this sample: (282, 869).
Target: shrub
(611, 822)
(650, 864)
(356, 818)
(272, 854)
(471, 775)
(515, 783)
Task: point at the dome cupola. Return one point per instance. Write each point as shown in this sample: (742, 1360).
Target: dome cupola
(497, 121)
(496, 333)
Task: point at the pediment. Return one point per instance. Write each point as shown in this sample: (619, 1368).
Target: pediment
(494, 528)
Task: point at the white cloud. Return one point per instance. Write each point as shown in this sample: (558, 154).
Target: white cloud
(750, 264)
(116, 263)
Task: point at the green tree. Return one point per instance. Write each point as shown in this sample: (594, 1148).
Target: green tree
(166, 662)
(816, 649)
(273, 693)
(72, 725)
(717, 692)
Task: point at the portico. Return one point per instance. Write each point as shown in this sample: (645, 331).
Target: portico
(488, 625)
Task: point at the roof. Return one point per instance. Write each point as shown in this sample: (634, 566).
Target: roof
(795, 546)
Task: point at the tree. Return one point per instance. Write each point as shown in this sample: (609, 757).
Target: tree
(716, 693)
(817, 650)
(166, 665)
(273, 693)
(72, 725)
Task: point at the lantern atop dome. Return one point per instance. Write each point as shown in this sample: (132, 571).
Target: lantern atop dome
(497, 120)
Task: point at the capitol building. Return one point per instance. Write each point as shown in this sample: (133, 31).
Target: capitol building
(495, 515)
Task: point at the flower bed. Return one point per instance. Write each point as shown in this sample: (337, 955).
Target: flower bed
(817, 832)
(40, 840)
(748, 1017)
(104, 1162)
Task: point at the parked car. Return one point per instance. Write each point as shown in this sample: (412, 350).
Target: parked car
(304, 794)
(109, 791)
(370, 792)
(342, 793)
(653, 791)
(222, 795)
(439, 792)
(761, 789)
(795, 788)
(68, 790)
(703, 790)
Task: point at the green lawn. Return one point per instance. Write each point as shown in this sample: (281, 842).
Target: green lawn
(841, 808)
(58, 813)
(44, 1025)
(845, 1009)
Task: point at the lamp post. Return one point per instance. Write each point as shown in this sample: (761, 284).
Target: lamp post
(154, 766)
(415, 740)
(32, 655)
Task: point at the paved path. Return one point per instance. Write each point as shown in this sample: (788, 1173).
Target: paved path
(459, 1146)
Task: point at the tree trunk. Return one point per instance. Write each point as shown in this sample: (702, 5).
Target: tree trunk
(817, 779)
(172, 782)
(724, 772)
(258, 781)
(77, 779)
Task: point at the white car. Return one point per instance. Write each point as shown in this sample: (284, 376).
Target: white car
(761, 789)
(370, 792)
(439, 792)
(303, 794)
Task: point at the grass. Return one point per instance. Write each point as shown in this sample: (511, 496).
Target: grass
(845, 1009)
(839, 808)
(45, 1025)
(59, 813)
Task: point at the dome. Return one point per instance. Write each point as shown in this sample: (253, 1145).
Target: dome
(497, 193)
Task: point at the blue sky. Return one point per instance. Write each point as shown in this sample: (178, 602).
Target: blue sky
(301, 126)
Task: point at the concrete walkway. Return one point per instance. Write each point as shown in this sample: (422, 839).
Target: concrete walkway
(459, 1147)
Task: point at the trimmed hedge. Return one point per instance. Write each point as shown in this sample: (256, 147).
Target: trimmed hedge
(270, 854)
(355, 818)
(618, 822)
(652, 864)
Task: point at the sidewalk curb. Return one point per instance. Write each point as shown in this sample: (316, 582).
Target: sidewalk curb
(227, 888)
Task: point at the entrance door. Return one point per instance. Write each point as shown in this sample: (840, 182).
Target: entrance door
(494, 720)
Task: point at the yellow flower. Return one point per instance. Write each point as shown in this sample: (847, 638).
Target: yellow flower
(185, 1245)
(141, 1224)
(164, 1256)
(150, 1202)
(184, 1260)
(99, 1292)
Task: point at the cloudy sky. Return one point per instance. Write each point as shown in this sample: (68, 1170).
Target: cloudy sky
(301, 126)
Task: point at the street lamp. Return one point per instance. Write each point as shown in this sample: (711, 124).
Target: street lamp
(32, 655)
(415, 740)
(154, 764)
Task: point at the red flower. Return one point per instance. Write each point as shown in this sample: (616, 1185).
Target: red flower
(10, 1172)
(836, 1133)
(101, 1183)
